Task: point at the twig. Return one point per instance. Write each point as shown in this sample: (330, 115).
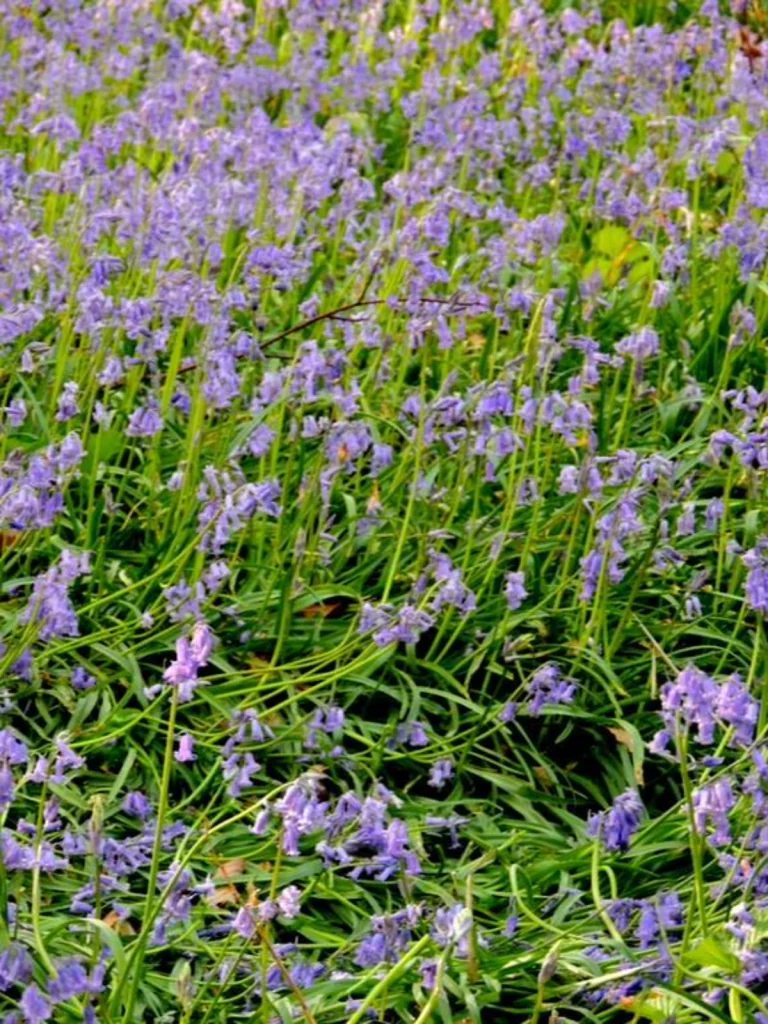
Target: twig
(330, 315)
(337, 314)
(369, 278)
(456, 305)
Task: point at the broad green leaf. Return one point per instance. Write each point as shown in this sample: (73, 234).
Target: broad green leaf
(611, 240)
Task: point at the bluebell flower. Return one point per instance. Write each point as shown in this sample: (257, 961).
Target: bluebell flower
(440, 772)
(616, 826)
(548, 688)
(514, 590)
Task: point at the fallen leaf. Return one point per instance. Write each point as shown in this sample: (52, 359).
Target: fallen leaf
(374, 502)
(222, 896)
(623, 737)
(230, 869)
(118, 924)
(626, 739)
(320, 611)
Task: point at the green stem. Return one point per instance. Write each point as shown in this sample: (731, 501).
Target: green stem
(437, 991)
(36, 930)
(154, 867)
(393, 974)
(605, 917)
(696, 839)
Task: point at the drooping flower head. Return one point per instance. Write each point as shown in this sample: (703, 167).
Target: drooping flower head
(616, 826)
(192, 654)
(548, 688)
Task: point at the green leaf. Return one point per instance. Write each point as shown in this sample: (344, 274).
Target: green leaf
(316, 934)
(611, 240)
(712, 953)
(102, 446)
(725, 164)
(642, 268)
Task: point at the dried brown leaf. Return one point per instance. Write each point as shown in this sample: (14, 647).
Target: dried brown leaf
(230, 869)
(225, 894)
(118, 924)
(623, 737)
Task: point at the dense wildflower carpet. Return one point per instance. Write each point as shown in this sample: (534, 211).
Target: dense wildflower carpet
(383, 544)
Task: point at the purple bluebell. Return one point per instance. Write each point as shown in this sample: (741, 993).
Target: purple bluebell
(452, 927)
(289, 902)
(16, 966)
(67, 406)
(440, 772)
(82, 679)
(452, 823)
(237, 770)
(329, 720)
(756, 588)
(145, 421)
(514, 590)
(640, 346)
(616, 826)
(50, 604)
(451, 590)
(411, 733)
(245, 922)
(548, 688)
(70, 982)
(16, 411)
(35, 1008)
(405, 626)
(508, 712)
(390, 936)
(192, 654)
(137, 804)
(712, 805)
(185, 751)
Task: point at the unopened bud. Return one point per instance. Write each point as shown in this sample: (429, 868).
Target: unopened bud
(549, 966)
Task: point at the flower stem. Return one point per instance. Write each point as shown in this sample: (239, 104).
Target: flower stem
(696, 839)
(157, 847)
